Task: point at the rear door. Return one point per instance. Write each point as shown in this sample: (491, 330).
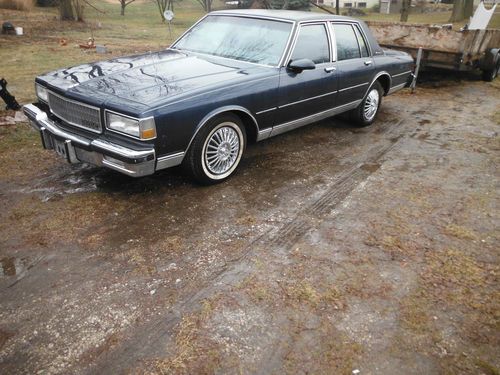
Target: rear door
(311, 91)
(354, 63)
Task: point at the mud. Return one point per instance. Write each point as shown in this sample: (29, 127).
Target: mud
(333, 249)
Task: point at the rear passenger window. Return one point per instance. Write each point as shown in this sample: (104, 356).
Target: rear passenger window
(312, 43)
(347, 42)
(362, 43)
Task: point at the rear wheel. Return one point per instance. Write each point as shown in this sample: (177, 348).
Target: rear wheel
(367, 110)
(216, 150)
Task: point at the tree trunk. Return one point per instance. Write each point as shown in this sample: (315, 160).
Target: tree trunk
(66, 10)
(122, 13)
(405, 10)
(458, 13)
(468, 9)
(337, 7)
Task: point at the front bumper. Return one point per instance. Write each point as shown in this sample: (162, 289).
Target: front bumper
(100, 152)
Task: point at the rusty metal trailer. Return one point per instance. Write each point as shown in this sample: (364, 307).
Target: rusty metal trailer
(443, 47)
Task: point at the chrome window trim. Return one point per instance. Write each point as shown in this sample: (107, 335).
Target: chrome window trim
(78, 103)
(296, 36)
(172, 46)
(130, 117)
(353, 24)
(400, 74)
(363, 35)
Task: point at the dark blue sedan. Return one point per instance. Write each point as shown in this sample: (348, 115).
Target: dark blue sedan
(234, 77)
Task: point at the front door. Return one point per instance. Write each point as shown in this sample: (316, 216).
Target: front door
(311, 91)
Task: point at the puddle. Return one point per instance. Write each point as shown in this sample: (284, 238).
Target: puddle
(370, 167)
(10, 266)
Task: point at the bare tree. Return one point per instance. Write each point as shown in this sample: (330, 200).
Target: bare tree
(71, 10)
(66, 10)
(79, 7)
(123, 4)
(206, 4)
(405, 10)
(163, 5)
(462, 9)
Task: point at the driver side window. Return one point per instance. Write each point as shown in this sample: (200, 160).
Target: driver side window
(312, 43)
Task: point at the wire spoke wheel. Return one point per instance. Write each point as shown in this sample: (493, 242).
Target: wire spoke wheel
(222, 149)
(371, 104)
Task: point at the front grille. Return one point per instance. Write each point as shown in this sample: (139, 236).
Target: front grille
(76, 114)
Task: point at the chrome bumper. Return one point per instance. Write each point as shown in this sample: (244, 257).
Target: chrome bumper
(76, 149)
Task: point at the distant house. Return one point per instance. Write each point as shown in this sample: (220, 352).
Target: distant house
(390, 6)
(349, 3)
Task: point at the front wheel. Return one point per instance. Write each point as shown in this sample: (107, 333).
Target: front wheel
(216, 150)
(367, 110)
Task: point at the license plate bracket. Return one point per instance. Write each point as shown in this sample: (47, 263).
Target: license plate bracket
(63, 148)
(60, 147)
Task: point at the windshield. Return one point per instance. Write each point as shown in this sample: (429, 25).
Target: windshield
(247, 39)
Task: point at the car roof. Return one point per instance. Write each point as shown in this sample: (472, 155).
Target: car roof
(288, 15)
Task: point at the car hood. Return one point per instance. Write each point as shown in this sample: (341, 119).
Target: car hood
(149, 79)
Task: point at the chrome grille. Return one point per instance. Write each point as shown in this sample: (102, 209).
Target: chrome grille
(75, 113)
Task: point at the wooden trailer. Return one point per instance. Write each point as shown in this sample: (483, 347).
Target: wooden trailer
(443, 47)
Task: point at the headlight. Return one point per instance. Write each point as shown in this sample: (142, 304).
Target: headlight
(42, 93)
(139, 128)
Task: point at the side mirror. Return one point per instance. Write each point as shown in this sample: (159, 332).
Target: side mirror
(297, 66)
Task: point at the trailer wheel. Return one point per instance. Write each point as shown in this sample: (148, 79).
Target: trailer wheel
(490, 74)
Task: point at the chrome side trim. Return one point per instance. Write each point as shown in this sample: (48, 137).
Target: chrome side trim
(396, 88)
(401, 74)
(264, 134)
(132, 170)
(170, 160)
(353, 87)
(305, 100)
(123, 151)
(377, 76)
(282, 128)
(266, 110)
(217, 112)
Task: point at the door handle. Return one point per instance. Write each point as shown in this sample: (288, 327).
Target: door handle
(330, 69)
(369, 62)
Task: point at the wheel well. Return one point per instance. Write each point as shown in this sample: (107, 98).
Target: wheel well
(249, 123)
(385, 81)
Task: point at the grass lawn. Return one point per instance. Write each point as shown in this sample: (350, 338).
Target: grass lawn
(140, 30)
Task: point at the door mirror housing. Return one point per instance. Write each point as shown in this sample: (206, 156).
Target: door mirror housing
(297, 66)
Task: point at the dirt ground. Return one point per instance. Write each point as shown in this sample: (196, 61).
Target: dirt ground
(334, 249)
